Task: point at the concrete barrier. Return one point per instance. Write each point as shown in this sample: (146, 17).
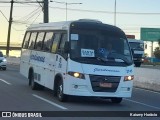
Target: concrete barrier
(13, 60)
(147, 78)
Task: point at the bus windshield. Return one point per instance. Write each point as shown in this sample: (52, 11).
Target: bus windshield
(99, 46)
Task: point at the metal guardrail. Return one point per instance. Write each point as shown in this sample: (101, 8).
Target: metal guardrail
(11, 48)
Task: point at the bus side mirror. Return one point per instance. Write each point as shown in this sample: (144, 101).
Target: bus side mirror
(66, 47)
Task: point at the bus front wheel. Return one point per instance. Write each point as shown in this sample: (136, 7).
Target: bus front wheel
(61, 96)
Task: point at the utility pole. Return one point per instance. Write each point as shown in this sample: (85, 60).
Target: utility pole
(115, 5)
(9, 29)
(45, 19)
(66, 3)
(45, 10)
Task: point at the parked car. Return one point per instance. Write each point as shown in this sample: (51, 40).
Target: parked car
(3, 62)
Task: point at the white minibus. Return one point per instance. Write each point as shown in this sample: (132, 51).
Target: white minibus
(78, 58)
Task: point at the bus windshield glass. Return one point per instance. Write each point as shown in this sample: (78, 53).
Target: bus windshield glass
(99, 45)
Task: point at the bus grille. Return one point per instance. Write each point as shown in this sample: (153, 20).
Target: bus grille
(111, 83)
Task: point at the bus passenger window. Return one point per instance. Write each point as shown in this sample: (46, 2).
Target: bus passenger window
(38, 44)
(63, 40)
(55, 42)
(32, 40)
(26, 41)
(47, 41)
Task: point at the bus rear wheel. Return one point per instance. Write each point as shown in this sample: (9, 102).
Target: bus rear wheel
(116, 100)
(61, 96)
(32, 83)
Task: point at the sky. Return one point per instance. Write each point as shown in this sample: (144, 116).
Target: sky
(131, 15)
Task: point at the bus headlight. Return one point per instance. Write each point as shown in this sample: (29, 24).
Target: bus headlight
(129, 78)
(77, 75)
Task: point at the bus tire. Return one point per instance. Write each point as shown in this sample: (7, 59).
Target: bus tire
(34, 85)
(116, 100)
(61, 96)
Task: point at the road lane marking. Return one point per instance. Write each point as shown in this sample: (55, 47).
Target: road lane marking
(148, 90)
(5, 82)
(50, 102)
(142, 104)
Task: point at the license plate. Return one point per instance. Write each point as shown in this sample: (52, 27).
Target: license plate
(106, 85)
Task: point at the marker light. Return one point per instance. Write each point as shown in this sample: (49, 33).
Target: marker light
(128, 78)
(77, 75)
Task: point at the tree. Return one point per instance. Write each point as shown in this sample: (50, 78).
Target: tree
(157, 50)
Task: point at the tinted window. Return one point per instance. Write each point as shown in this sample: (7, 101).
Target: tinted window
(106, 43)
(55, 42)
(26, 40)
(63, 40)
(32, 40)
(47, 41)
(39, 41)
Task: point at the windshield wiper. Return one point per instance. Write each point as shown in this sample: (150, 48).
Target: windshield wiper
(105, 59)
(115, 55)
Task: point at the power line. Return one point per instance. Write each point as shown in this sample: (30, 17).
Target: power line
(84, 10)
(36, 17)
(45, 2)
(26, 22)
(28, 3)
(22, 6)
(28, 15)
(39, 4)
(106, 12)
(32, 15)
(4, 16)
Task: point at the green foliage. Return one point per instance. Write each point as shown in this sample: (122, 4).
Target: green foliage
(157, 51)
(146, 54)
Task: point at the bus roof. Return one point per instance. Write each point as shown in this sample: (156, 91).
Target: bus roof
(50, 26)
(63, 25)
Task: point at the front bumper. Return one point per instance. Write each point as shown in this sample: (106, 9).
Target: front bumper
(3, 64)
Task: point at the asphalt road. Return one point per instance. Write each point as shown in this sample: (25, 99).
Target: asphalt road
(16, 95)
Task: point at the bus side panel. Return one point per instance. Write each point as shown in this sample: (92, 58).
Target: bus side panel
(61, 67)
(24, 64)
(43, 65)
(49, 71)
